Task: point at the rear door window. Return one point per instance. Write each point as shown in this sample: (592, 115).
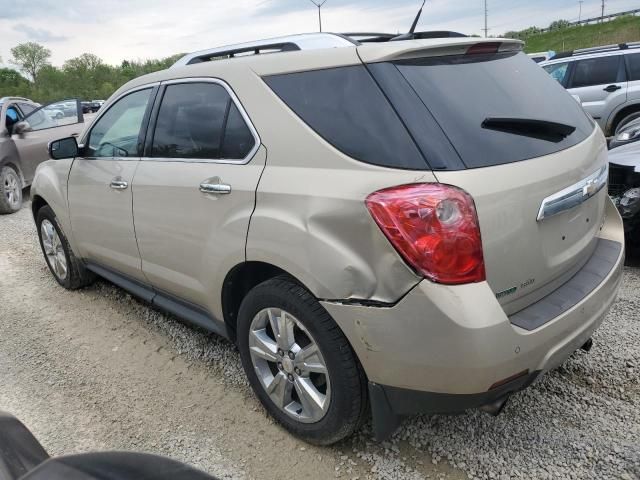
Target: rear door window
(595, 71)
(200, 121)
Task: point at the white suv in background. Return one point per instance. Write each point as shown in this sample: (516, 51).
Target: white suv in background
(607, 80)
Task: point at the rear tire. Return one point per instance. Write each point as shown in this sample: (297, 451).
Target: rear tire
(624, 120)
(10, 191)
(295, 374)
(63, 264)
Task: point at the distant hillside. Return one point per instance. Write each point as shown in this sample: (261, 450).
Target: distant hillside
(621, 30)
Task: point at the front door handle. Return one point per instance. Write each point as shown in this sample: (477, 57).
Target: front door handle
(612, 88)
(216, 188)
(119, 184)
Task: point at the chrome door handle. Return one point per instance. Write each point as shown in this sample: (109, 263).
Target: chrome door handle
(118, 184)
(215, 188)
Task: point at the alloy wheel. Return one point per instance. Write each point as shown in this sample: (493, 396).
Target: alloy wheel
(12, 189)
(289, 365)
(53, 249)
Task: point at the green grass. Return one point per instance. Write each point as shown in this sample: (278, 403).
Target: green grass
(621, 30)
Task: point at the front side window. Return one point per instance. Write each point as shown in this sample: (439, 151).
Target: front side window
(200, 121)
(26, 108)
(558, 71)
(116, 133)
(596, 71)
(52, 115)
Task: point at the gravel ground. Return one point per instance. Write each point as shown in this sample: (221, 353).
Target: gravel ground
(97, 369)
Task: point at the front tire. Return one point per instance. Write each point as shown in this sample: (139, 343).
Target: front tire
(10, 191)
(299, 363)
(63, 264)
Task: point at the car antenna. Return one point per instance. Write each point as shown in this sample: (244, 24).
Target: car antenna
(411, 34)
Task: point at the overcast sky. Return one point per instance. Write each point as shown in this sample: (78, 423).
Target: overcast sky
(139, 29)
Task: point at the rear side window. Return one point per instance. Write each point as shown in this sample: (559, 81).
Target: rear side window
(595, 71)
(200, 121)
(463, 91)
(634, 66)
(558, 71)
(346, 108)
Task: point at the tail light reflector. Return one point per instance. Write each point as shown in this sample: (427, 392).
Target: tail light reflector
(435, 229)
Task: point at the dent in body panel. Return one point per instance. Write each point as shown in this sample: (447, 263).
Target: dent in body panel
(313, 223)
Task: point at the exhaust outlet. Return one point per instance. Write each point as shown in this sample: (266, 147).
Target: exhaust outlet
(496, 407)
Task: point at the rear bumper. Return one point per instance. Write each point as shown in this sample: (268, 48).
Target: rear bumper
(449, 345)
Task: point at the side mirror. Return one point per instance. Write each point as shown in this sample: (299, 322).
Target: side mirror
(64, 148)
(21, 128)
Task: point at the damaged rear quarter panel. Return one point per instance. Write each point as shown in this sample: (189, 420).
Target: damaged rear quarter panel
(313, 223)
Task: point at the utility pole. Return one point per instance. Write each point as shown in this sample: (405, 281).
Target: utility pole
(580, 14)
(486, 16)
(319, 4)
(602, 17)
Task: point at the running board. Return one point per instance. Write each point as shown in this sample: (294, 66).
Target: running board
(163, 301)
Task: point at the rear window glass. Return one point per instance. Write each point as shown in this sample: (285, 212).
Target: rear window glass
(595, 71)
(461, 92)
(346, 107)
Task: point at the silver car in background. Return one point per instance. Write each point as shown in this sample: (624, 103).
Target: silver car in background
(606, 79)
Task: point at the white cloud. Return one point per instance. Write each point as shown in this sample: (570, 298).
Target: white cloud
(119, 29)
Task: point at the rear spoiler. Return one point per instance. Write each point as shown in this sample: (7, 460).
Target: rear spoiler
(392, 51)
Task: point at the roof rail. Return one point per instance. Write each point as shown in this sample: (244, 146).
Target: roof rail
(606, 48)
(310, 41)
(306, 41)
(3, 99)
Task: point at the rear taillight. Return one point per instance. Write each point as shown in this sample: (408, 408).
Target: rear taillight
(435, 229)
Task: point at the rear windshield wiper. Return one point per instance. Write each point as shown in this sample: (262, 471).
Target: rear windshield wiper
(529, 127)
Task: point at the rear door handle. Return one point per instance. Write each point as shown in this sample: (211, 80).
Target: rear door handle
(216, 188)
(612, 88)
(119, 184)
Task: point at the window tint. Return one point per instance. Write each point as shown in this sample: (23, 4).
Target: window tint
(461, 92)
(238, 140)
(116, 133)
(634, 66)
(347, 108)
(200, 120)
(595, 71)
(558, 71)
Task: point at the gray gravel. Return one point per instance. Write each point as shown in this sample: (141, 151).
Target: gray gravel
(97, 369)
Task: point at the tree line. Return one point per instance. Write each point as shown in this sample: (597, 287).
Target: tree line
(86, 77)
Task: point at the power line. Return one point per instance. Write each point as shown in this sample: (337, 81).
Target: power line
(580, 14)
(486, 17)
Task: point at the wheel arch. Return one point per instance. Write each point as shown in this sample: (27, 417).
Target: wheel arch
(15, 164)
(616, 117)
(237, 284)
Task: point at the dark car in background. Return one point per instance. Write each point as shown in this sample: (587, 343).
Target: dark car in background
(624, 188)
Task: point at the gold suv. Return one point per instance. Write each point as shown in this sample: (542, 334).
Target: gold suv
(418, 226)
